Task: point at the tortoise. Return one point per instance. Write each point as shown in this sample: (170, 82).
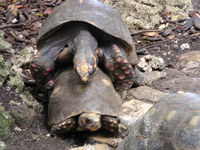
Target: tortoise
(93, 33)
(75, 106)
(171, 124)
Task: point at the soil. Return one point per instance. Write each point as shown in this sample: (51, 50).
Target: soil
(37, 137)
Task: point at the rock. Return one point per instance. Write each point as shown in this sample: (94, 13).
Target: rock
(145, 93)
(189, 63)
(185, 46)
(93, 147)
(2, 145)
(23, 116)
(5, 45)
(16, 81)
(20, 59)
(133, 13)
(5, 68)
(154, 76)
(111, 141)
(179, 84)
(197, 22)
(23, 57)
(149, 63)
(5, 125)
(135, 108)
(31, 102)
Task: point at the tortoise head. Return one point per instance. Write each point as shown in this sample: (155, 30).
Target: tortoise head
(90, 121)
(84, 71)
(85, 66)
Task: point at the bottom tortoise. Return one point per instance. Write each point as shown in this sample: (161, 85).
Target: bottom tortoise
(75, 106)
(171, 124)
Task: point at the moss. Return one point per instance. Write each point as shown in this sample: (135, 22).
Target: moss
(5, 125)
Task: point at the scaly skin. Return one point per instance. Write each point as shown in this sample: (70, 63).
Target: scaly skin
(116, 62)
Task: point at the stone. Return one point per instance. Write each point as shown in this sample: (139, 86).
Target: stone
(111, 141)
(23, 116)
(149, 63)
(5, 125)
(145, 93)
(5, 68)
(2, 145)
(185, 46)
(132, 11)
(189, 63)
(93, 147)
(179, 84)
(22, 58)
(135, 108)
(31, 102)
(153, 76)
(5, 45)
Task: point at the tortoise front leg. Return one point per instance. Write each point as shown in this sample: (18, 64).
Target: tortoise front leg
(68, 125)
(42, 65)
(120, 124)
(116, 62)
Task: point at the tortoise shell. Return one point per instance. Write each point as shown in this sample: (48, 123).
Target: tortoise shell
(102, 17)
(171, 124)
(71, 97)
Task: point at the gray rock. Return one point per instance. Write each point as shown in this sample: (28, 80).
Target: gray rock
(144, 14)
(185, 46)
(31, 102)
(5, 68)
(5, 125)
(2, 145)
(149, 63)
(23, 116)
(179, 84)
(111, 141)
(93, 147)
(16, 77)
(5, 45)
(135, 108)
(154, 76)
(189, 63)
(145, 93)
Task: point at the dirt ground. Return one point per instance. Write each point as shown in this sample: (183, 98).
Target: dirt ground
(37, 136)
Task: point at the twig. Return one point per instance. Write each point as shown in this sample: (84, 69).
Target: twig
(19, 39)
(11, 25)
(143, 31)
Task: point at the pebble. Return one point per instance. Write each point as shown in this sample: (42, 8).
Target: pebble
(145, 93)
(197, 22)
(185, 46)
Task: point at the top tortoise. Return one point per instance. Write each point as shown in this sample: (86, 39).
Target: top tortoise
(91, 31)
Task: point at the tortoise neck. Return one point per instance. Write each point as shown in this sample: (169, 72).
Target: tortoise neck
(84, 41)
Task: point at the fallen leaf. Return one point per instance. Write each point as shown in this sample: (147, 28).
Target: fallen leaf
(47, 11)
(39, 14)
(151, 34)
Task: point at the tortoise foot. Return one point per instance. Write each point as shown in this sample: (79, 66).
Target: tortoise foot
(89, 121)
(140, 78)
(110, 123)
(40, 73)
(65, 126)
(118, 65)
(125, 124)
(121, 125)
